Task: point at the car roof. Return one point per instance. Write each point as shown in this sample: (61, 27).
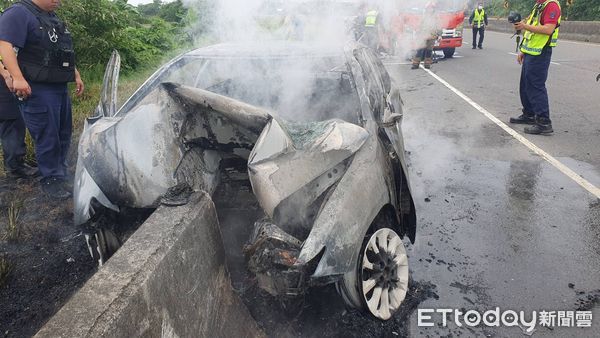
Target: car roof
(268, 49)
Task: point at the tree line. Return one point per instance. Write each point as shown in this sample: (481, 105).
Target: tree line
(575, 10)
(143, 35)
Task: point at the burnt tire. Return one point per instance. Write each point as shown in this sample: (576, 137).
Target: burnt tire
(449, 52)
(379, 281)
(103, 243)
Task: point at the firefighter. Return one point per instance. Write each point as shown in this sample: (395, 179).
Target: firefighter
(372, 24)
(539, 38)
(429, 32)
(478, 20)
(44, 65)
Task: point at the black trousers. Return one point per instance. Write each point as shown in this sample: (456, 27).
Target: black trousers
(532, 89)
(481, 31)
(12, 136)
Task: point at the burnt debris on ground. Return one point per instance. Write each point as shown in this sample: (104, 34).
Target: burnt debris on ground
(46, 255)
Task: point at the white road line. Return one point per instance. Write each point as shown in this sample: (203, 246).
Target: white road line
(552, 62)
(549, 158)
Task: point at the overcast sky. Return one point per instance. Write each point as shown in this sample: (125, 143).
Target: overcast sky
(137, 2)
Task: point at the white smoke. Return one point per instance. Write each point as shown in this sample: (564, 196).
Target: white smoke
(406, 25)
(260, 20)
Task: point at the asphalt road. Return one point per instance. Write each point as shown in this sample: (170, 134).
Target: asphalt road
(499, 226)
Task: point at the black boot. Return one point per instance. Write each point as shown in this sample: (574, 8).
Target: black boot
(525, 118)
(542, 125)
(55, 188)
(22, 171)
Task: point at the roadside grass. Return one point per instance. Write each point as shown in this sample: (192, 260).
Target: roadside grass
(5, 270)
(13, 227)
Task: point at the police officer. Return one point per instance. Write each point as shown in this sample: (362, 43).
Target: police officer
(539, 37)
(37, 50)
(12, 131)
(478, 20)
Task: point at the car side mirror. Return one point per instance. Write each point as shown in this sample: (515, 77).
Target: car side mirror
(390, 119)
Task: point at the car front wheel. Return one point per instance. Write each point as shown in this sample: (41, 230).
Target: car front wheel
(379, 282)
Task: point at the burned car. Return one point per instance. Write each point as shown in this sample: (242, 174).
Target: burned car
(316, 134)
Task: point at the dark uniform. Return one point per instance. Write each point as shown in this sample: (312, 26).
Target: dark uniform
(12, 132)
(47, 61)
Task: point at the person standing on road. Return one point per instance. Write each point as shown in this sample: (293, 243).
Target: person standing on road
(372, 27)
(429, 32)
(12, 131)
(37, 50)
(478, 20)
(539, 37)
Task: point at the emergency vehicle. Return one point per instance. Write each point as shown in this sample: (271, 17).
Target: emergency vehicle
(449, 15)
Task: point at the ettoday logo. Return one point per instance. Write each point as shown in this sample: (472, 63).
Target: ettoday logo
(496, 318)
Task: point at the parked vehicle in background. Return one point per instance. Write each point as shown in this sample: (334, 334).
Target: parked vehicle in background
(406, 32)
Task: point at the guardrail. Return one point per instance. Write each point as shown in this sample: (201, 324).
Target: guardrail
(587, 31)
(168, 280)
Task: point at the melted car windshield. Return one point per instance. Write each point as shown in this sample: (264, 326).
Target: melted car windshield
(296, 89)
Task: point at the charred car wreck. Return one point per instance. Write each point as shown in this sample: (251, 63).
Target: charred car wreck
(317, 135)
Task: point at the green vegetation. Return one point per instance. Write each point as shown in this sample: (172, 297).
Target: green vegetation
(584, 10)
(145, 36)
(5, 269)
(13, 229)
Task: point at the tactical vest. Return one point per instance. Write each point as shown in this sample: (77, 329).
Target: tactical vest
(52, 59)
(479, 18)
(533, 43)
(371, 19)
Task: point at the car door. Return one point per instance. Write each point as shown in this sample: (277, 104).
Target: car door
(386, 108)
(107, 107)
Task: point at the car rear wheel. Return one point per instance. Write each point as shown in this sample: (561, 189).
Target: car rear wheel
(379, 282)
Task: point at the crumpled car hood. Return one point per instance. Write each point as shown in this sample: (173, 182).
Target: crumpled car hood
(287, 158)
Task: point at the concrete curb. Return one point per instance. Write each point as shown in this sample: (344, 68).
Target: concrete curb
(169, 280)
(586, 31)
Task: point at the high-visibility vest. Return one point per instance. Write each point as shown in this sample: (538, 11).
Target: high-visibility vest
(371, 19)
(533, 43)
(479, 18)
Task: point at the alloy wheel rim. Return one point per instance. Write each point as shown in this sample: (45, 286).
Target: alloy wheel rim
(384, 273)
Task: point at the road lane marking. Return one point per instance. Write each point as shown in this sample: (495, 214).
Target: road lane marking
(552, 62)
(585, 184)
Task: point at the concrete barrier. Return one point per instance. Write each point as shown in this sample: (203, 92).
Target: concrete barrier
(588, 31)
(168, 280)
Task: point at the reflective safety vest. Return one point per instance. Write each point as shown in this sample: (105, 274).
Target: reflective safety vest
(478, 18)
(534, 43)
(371, 19)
